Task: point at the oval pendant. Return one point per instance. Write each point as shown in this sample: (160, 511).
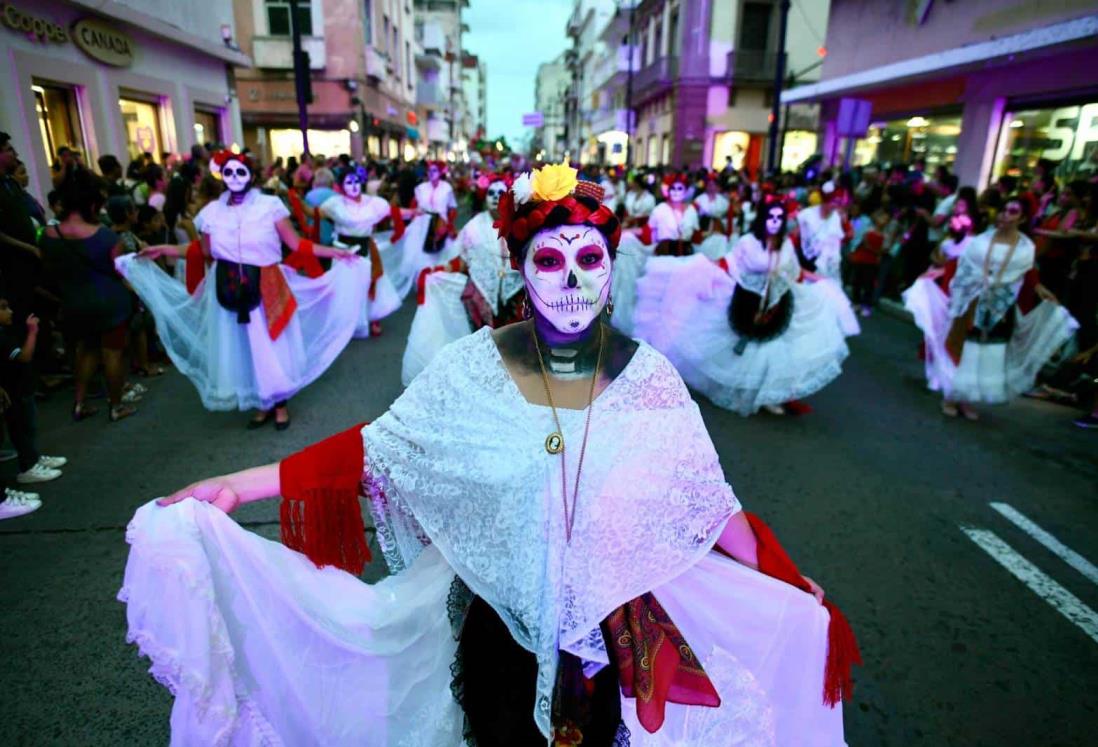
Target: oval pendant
(554, 443)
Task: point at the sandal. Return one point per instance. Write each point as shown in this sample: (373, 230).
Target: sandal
(119, 412)
(968, 413)
(281, 425)
(260, 420)
(949, 409)
(81, 411)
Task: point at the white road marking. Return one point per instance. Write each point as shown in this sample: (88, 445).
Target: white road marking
(1062, 600)
(1062, 551)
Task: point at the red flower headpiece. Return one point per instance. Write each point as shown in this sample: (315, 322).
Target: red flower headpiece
(517, 225)
(487, 178)
(222, 157)
(440, 165)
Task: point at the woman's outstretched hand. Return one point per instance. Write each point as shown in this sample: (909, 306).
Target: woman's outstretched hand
(217, 490)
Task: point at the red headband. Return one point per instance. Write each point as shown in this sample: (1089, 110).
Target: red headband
(523, 228)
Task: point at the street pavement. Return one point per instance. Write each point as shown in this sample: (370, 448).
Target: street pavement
(871, 494)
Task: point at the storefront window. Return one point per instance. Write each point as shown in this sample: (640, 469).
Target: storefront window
(797, 147)
(287, 143)
(206, 126)
(58, 119)
(373, 146)
(142, 122)
(1065, 135)
(904, 140)
(394, 149)
(730, 144)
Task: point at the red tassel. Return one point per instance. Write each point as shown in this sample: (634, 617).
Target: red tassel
(320, 513)
(646, 235)
(842, 646)
(398, 223)
(196, 265)
(723, 264)
(304, 260)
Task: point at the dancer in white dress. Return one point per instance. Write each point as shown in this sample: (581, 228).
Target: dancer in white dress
(743, 332)
(821, 233)
(714, 220)
(484, 290)
(354, 217)
(639, 204)
(600, 584)
(255, 332)
(981, 346)
(673, 225)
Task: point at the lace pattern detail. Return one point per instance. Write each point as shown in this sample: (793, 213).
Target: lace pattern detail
(459, 461)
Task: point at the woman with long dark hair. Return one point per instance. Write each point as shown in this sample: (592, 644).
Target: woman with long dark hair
(744, 331)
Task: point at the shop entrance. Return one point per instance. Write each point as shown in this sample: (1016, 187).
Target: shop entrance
(58, 118)
(206, 126)
(142, 123)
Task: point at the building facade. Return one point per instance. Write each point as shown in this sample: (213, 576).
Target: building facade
(440, 99)
(584, 59)
(976, 86)
(550, 94)
(362, 75)
(117, 78)
(474, 84)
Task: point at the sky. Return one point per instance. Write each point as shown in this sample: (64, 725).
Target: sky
(513, 37)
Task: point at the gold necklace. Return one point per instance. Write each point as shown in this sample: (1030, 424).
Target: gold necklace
(554, 442)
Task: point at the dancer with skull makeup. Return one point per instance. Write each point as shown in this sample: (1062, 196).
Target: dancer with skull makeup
(480, 289)
(565, 553)
(821, 234)
(714, 220)
(254, 332)
(674, 225)
(743, 331)
(429, 238)
(987, 340)
(355, 216)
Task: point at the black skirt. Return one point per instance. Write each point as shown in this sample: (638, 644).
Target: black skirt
(238, 288)
(749, 325)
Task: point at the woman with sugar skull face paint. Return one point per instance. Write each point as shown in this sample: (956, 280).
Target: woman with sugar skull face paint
(254, 331)
(564, 547)
(674, 224)
(355, 216)
(482, 289)
(743, 331)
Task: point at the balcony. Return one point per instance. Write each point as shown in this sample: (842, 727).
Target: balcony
(432, 38)
(655, 79)
(430, 94)
(752, 66)
(376, 65)
(277, 52)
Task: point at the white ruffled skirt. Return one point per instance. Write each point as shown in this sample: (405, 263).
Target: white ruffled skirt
(682, 311)
(989, 372)
(832, 290)
(404, 259)
(238, 366)
(629, 262)
(714, 246)
(258, 646)
(440, 320)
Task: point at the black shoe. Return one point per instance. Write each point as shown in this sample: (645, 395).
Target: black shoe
(283, 425)
(255, 424)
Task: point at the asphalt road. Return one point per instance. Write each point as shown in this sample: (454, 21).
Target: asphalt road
(869, 493)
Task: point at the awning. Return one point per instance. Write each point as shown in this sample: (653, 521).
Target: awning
(412, 133)
(948, 61)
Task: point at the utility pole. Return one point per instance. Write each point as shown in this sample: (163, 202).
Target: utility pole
(629, 116)
(302, 85)
(772, 150)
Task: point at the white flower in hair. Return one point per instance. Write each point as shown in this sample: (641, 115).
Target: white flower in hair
(523, 189)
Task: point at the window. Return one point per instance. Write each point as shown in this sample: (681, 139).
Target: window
(657, 39)
(206, 127)
(396, 49)
(385, 34)
(278, 17)
(666, 149)
(368, 22)
(755, 27)
(1063, 134)
(673, 33)
(142, 122)
(58, 118)
(408, 61)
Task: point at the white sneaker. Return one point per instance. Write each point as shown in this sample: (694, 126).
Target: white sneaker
(774, 409)
(52, 462)
(18, 503)
(38, 473)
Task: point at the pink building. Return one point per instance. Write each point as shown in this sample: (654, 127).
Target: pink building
(983, 86)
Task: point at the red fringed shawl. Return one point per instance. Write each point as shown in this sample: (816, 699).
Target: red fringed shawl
(842, 646)
(304, 260)
(454, 265)
(320, 512)
(196, 265)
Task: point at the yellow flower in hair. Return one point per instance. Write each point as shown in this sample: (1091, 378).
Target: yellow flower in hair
(554, 182)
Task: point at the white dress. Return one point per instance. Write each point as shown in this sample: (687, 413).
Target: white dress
(993, 371)
(238, 366)
(667, 224)
(821, 242)
(406, 256)
(629, 263)
(357, 219)
(716, 245)
(639, 204)
(238, 627)
(442, 317)
(683, 307)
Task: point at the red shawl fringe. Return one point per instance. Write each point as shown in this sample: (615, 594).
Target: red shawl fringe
(304, 260)
(196, 265)
(320, 513)
(842, 646)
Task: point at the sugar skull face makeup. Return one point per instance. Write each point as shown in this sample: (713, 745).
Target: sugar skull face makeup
(237, 176)
(352, 186)
(677, 192)
(567, 271)
(492, 196)
(775, 218)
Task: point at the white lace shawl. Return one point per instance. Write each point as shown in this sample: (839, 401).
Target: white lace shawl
(489, 263)
(459, 461)
(750, 266)
(995, 285)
